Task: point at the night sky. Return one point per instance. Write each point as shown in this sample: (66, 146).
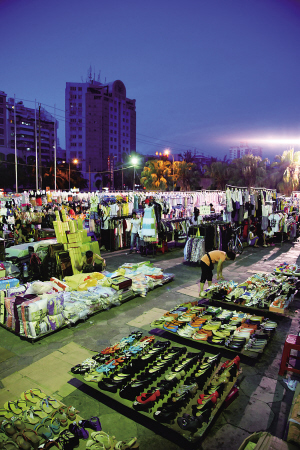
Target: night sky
(206, 74)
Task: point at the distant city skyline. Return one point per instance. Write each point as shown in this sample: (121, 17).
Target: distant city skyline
(205, 75)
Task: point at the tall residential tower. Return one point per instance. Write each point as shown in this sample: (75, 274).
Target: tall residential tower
(100, 124)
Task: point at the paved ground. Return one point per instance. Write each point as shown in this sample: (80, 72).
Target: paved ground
(263, 403)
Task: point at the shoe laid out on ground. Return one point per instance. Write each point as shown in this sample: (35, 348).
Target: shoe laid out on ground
(291, 384)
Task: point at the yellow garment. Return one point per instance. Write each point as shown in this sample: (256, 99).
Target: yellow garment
(88, 283)
(75, 280)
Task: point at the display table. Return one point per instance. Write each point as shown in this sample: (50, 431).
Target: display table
(22, 249)
(147, 415)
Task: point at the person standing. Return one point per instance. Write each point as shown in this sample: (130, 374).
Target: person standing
(134, 230)
(207, 266)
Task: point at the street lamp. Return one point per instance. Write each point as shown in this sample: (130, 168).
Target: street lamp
(75, 161)
(134, 161)
(167, 153)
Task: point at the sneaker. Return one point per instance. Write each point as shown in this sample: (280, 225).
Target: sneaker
(272, 245)
(265, 245)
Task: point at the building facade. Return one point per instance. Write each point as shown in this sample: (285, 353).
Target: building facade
(27, 137)
(100, 125)
(244, 149)
(3, 121)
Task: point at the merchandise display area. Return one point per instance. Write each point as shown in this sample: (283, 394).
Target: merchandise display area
(39, 308)
(181, 389)
(263, 292)
(175, 381)
(237, 331)
(41, 421)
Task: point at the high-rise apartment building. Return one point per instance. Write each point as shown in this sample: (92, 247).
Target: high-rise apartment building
(100, 124)
(26, 121)
(244, 149)
(3, 121)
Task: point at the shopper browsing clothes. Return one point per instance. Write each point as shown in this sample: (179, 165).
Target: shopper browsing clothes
(268, 237)
(134, 230)
(207, 266)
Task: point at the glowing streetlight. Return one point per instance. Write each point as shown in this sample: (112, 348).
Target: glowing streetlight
(167, 153)
(134, 161)
(75, 161)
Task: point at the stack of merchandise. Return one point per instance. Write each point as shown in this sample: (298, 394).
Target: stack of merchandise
(39, 421)
(263, 291)
(144, 276)
(74, 238)
(288, 269)
(33, 310)
(236, 330)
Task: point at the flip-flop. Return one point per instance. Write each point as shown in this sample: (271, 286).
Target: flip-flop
(38, 411)
(10, 445)
(45, 406)
(5, 413)
(31, 436)
(43, 429)
(17, 423)
(30, 417)
(71, 413)
(103, 439)
(33, 395)
(8, 428)
(13, 407)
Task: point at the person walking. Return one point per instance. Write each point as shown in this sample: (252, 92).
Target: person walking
(207, 266)
(134, 230)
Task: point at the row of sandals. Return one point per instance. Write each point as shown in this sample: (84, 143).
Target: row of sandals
(37, 421)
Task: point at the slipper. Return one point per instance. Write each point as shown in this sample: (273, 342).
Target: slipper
(103, 439)
(31, 436)
(21, 442)
(38, 411)
(45, 406)
(13, 407)
(10, 445)
(8, 428)
(29, 416)
(44, 429)
(33, 395)
(5, 413)
(92, 445)
(123, 445)
(18, 424)
(71, 413)
(61, 416)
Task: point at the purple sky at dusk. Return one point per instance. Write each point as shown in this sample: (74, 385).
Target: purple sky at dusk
(205, 74)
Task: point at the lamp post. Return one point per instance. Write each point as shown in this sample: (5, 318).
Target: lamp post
(75, 161)
(167, 152)
(134, 161)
